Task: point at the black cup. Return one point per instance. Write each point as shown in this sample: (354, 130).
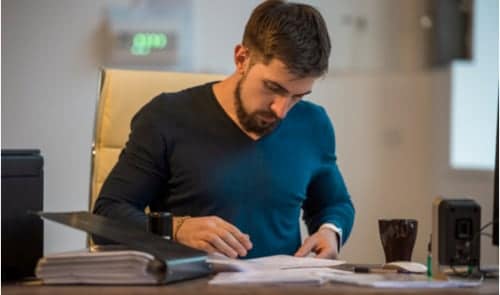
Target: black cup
(398, 238)
(160, 223)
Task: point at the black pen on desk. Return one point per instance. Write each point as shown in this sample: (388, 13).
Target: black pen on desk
(361, 269)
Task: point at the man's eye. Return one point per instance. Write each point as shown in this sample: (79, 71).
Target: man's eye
(272, 88)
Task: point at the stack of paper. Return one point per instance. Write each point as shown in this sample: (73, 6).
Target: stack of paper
(109, 267)
(274, 276)
(289, 269)
(134, 268)
(220, 263)
(272, 269)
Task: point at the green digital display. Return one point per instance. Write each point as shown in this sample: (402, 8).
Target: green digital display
(144, 43)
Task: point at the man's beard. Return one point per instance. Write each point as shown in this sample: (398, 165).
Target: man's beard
(251, 122)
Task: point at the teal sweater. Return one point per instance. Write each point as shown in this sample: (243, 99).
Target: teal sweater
(186, 156)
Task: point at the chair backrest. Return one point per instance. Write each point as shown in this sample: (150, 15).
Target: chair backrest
(122, 94)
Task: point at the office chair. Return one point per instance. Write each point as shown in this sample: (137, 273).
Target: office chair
(122, 94)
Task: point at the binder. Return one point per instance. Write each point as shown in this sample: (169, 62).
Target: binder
(176, 261)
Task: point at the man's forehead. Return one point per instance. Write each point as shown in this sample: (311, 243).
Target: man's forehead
(277, 70)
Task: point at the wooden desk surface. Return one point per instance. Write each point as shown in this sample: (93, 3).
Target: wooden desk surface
(200, 287)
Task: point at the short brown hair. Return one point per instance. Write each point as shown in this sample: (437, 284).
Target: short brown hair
(294, 33)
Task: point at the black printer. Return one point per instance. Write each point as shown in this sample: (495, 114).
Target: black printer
(22, 233)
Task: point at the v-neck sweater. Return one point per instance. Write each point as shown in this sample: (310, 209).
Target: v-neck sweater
(185, 155)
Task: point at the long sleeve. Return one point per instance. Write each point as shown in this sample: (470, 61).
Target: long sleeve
(327, 198)
(140, 174)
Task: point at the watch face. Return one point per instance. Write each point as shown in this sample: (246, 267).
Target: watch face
(160, 223)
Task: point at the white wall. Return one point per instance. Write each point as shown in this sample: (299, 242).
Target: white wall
(392, 135)
(366, 35)
(219, 26)
(392, 129)
(383, 124)
(50, 65)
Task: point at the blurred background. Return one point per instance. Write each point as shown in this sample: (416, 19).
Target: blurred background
(412, 92)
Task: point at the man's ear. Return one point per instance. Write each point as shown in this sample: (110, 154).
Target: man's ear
(241, 58)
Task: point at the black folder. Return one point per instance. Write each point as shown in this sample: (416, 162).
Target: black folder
(178, 262)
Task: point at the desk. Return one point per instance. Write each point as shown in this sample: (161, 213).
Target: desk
(200, 287)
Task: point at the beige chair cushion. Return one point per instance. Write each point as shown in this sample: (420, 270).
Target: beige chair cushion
(123, 93)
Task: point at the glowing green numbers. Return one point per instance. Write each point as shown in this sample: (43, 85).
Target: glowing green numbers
(143, 43)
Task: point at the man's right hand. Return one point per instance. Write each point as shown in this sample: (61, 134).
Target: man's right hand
(213, 234)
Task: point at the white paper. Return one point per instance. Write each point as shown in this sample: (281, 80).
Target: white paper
(220, 263)
(107, 267)
(273, 276)
(308, 270)
(396, 280)
(271, 269)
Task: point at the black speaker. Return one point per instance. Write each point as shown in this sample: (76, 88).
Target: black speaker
(459, 236)
(22, 233)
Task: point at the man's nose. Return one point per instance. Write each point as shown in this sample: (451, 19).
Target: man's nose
(280, 106)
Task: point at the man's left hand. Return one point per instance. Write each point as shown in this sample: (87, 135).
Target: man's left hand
(324, 243)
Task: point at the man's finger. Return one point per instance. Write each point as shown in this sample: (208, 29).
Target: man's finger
(205, 246)
(241, 237)
(232, 242)
(221, 246)
(306, 247)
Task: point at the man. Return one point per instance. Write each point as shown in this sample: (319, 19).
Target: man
(234, 161)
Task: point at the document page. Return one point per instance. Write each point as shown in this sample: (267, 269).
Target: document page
(125, 267)
(271, 269)
(291, 275)
(221, 262)
(310, 270)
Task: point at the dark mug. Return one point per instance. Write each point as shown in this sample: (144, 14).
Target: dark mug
(160, 223)
(398, 238)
